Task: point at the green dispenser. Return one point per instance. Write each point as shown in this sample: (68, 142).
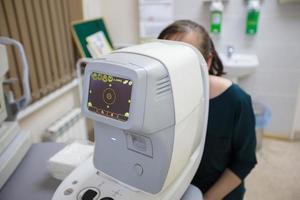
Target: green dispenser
(253, 13)
(216, 10)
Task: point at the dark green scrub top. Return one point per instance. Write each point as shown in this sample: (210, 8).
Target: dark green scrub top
(230, 140)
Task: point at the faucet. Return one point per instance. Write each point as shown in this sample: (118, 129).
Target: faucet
(230, 51)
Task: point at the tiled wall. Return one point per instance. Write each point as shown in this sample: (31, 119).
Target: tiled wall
(277, 45)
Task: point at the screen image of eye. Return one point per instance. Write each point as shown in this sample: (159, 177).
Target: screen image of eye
(110, 96)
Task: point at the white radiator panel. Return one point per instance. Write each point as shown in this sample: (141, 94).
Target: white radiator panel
(67, 129)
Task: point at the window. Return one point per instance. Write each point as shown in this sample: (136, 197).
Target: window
(44, 28)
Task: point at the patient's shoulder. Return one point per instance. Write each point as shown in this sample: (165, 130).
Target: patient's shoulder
(218, 85)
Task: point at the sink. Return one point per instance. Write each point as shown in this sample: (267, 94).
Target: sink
(239, 65)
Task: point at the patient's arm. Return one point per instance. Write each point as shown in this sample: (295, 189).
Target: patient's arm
(225, 184)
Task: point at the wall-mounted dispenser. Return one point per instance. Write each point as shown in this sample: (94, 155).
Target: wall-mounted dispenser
(216, 10)
(253, 12)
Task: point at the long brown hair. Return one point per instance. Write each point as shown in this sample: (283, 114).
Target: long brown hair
(205, 44)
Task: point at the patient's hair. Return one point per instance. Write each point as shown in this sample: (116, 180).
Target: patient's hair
(205, 44)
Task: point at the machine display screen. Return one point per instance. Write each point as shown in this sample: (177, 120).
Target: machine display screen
(110, 96)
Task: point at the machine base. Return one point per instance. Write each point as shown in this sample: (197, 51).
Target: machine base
(87, 183)
(192, 193)
(8, 131)
(12, 156)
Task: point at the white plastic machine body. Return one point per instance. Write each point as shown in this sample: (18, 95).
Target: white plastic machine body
(149, 104)
(14, 142)
(3, 71)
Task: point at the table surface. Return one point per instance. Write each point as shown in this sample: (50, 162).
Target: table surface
(31, 180)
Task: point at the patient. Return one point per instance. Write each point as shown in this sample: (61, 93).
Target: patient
(229, 152)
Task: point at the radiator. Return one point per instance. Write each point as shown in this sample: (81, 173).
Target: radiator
(67, 129)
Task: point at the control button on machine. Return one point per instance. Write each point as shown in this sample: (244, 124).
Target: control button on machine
(68, 191)
(138, 169)
(107, 198)
(89, 194)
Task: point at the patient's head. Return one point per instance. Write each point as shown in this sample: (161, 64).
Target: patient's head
(196, 35)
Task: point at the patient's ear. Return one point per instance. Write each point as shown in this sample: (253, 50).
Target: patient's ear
(209, 60)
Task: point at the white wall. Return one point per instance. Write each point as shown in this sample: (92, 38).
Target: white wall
(92, 9)
(275, 83)
(120, 18)
(297, 117)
